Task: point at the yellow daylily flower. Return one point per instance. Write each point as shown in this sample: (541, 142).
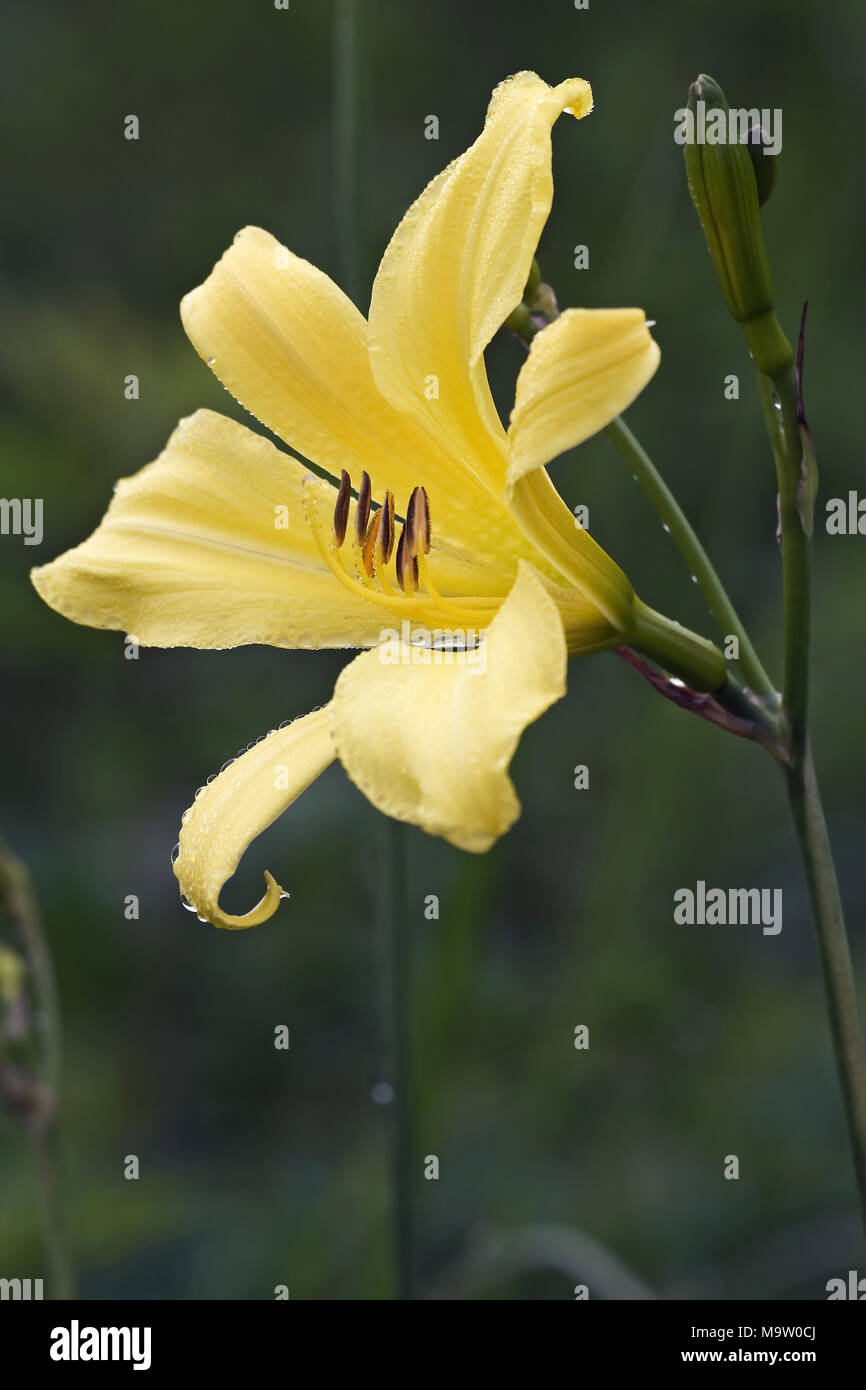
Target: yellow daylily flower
(194, 550)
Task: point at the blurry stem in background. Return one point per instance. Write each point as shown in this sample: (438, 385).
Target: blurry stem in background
(793, 453)
(396, 943)
(392, 907)
(37, 1091)
(345, 99)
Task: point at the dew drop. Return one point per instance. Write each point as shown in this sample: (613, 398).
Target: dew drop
(184, 902)
(175, 854)
(665, 527)
(694, 579)
(382, 1093)
(211, 361)
(226, 764)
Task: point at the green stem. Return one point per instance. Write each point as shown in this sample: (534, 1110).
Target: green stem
(45, 1144)
(682, 534)
(679, 650)
(784, 433)
(395, 942)
(779, 399)
(838, 972)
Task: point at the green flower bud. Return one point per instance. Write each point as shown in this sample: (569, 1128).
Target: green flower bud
(724, 189)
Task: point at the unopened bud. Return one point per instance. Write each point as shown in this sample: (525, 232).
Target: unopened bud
(724, 189)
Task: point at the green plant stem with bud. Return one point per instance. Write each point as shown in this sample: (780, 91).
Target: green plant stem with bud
(674, 648)
(728, 197)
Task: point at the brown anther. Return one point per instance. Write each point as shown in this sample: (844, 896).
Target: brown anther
(418, 523)
(386, 532)
(362, 511)
(406, 565)
(370, 542)
(341, 510)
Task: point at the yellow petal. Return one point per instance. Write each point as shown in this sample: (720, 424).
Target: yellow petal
(292, 348)
(192, 552)
(582, 371)
(457, 266)
(238, 805)
(429, 740)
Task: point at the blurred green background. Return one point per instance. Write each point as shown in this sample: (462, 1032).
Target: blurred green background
(261, 1167)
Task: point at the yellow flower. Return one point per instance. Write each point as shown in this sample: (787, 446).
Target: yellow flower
(194, 551)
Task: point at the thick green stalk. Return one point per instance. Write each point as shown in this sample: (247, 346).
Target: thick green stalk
(838, 971)
(779, 401)
(675, 522)
(675, 648)
(781, 406)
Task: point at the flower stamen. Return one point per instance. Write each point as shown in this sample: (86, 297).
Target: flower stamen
(367, 578)
(418, 523)
(406, 564)
(341, 510)
(369, 546)
(362, 509)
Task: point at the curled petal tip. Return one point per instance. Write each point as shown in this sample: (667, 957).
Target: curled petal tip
(263, 910)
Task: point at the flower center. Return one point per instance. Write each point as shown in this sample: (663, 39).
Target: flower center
(394, 576)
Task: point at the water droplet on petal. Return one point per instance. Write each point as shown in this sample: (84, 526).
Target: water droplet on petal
(694, 579)
(211, 361)
(175, 854)
(184, 902)
(665, 527)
